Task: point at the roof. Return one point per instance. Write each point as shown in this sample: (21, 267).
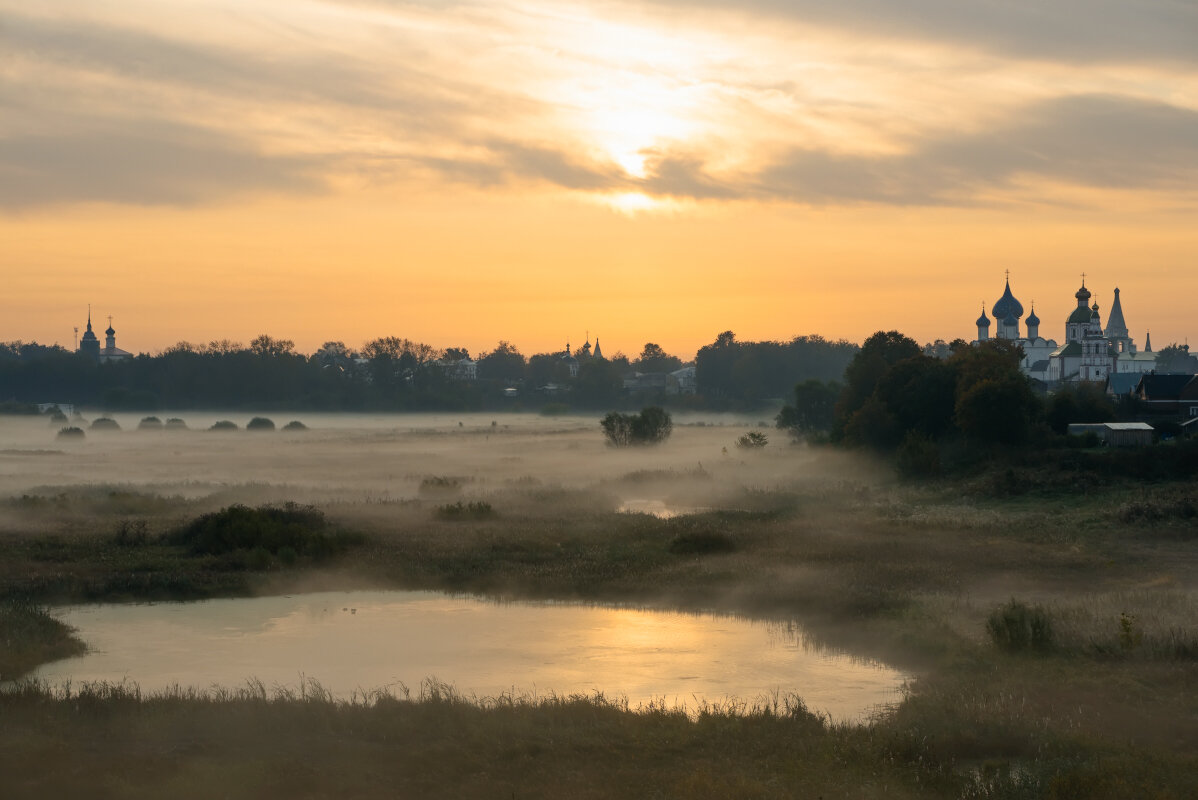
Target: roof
(1068, 349)
(1123, 382)
(1080, 314)
(1114, 323)
(1162, 387)
(1007, 305)
(1127, 426)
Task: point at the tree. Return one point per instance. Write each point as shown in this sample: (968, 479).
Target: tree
(1083, 403)
(814, 408)
(272, 348)
(504, 363)
(997, 409)
(654, 359)
(456, 353)
(652, 426)
(880, 351)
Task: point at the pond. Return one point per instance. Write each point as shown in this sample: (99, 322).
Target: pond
(366, 640)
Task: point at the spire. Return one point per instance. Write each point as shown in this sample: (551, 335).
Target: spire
(1148, 342)
(89, 317)
(1116, 328)
(598, 352)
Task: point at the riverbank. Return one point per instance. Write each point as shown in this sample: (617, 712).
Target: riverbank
(913, 574)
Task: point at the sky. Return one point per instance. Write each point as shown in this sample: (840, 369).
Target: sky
(542, 172)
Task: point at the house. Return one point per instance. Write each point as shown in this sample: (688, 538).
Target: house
(1172, 394)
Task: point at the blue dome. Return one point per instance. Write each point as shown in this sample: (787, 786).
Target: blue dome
(1032, 319)
(983, 321)
(1007, 306)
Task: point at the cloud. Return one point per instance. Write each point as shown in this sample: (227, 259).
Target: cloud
(1079, 31)
(147, 162)
(1096, 141)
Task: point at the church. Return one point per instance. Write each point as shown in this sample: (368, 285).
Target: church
(1089, 352)
(89, 345)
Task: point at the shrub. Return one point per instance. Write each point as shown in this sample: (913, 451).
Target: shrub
(176, 424)
(105, 424)
(295, 425)
(440, 485)
(460, 510)
(131, 533)
(918, 457)
(266, 530)
(701, 543)
(1018, 627)
(223, 425)
(260, 424)
(752, 440)
(150, 424)
(71, 433)
(652, 426)
(57, 417)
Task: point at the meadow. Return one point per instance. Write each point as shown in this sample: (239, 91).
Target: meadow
(1051, 626)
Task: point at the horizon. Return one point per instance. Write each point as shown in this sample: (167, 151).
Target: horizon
(467, 172)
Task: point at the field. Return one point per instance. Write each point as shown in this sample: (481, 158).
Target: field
(1053, 628)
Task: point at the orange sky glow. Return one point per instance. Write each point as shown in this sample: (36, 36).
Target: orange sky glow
(464, 172)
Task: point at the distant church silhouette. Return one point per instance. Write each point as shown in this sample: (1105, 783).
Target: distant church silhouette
(89, 345)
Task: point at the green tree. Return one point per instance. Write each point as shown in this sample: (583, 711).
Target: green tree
(504, 363)
(654, 359)
(998, 409)
(267, 346)
(652, 426)
(1082, 403)
(880, 351)
(814, 408)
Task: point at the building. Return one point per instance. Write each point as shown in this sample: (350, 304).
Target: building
(89, 345)
(1008, 312)
(1117, 434)
(1089, 353)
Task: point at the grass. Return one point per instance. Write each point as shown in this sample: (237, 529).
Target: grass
(29, 636)
(1054, 635)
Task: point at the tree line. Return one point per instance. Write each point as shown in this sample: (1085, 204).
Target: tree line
(397, 374)
(895, 398)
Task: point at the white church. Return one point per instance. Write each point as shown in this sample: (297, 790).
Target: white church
(1089, 352)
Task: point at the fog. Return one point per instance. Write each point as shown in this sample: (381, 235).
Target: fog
(344, 458)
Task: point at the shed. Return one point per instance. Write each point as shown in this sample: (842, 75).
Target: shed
(1117, 434)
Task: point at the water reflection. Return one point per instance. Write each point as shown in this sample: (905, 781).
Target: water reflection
(368, 640)
(657, 508)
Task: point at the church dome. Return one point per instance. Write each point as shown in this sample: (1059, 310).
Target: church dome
(983, 321)
(110, 331)
(1007, 306)
(1080, 314)
(1032, 319)
(1083, 293)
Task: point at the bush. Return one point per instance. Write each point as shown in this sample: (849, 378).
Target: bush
(440, 485)
(295, 425)
(260, 424)
(918, 457)
(150, 424)
(176, 424)
(262, 532)
(57, 417)
(71, 433)
(223, 425)
(1018, 627)
(701, 543)
(752, 440)
(105, 424)
(460, 510)
(652, 426)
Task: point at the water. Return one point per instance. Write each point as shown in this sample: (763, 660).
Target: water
(350, 641)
